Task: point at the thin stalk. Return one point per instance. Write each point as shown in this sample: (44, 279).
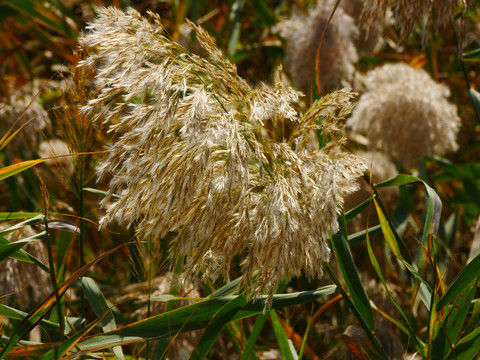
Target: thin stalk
(53, 277)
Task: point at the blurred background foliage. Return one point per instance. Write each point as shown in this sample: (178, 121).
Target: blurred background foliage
(39, 93)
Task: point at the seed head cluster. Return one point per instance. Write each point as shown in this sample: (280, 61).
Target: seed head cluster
(433, 14)
(337, 53)
(223, 168)
(406, 114)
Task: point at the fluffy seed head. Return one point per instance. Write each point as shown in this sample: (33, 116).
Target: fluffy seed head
(337, 53)
(406, 114)
(433, 14)
(226, 168)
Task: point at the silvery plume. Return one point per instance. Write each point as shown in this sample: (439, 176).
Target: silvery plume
(406, 114)
(226, 168)
(337, 53)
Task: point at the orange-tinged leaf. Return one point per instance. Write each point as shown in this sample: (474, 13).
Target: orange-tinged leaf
(14, 169)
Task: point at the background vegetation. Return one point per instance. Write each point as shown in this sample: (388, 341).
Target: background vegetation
(402, 282)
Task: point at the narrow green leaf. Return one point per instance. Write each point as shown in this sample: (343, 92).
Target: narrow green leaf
(101, 192)
(452, 322)
(101, 308)
(34, 216)
(376, 266)
(472, 55)
(350, 214)
(14, 169)
(252, 339)
(264, 12)
(467, 348)
(221, 318)
(475, 97)
(380, 352)
(350, 274)
(362, 235)
(193, 317)
(59, 351)
(37, 314)
(12, 313)
(236, 27)
(282, 340)
(461, 282)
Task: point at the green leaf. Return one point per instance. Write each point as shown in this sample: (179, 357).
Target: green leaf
(362, 235)
(283, 343)
(376, 266)
(472, 55)
(221, 318)
(263, 12)
(12, 313)
(252, 339)
(37, 314)
(34, 216)
(452, 322)
(467, 348)
(101, 308)
(58, 351)
(193, 317)
(350, 274)
(461, 282)
(236, 27)
(14, 169)
(475, 97)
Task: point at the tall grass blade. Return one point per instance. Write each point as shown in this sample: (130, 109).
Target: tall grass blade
(215, 326)
(467, 348)
(252, 339)
(38, 313)
(282, 340)
(193, 317)
(14, 169)
(461, 282)
(350, 275)
(452, 321)
(101, 308)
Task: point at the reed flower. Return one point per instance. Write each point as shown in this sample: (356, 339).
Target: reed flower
(23, 280)
(434, 15)
(21, 106)
(226, 168)
(337, 52)
(406, 114)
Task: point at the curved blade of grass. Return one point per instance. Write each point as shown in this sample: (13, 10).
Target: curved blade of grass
(221, 318)
(14, 169)
(37, 314)
(461, 282)
(6, 250)
(11, 313)
(252, 339)
(33, 216)
(376, 266)
(475, 97)
(350, 214)
(451, 323)
(472, 55)
(379, 351)
(282, 340)
(101, 309)
(467, 348)
(350, 275)
(59, 351)
(433, 203)
(193, 317)
(391, 237)
(22, 255)
(235, 15)
(362, 235)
